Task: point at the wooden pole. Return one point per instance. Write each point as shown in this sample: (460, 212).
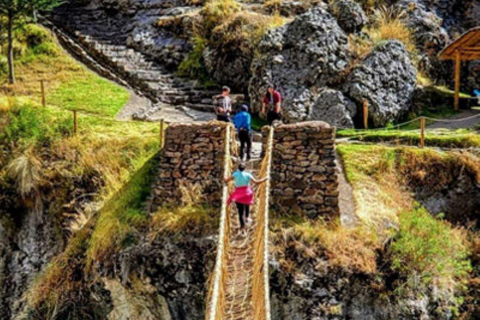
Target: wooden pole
(365, 113)
(74, 121)
(457, 80)
(42, 87)
(161, 133)
(422, 132)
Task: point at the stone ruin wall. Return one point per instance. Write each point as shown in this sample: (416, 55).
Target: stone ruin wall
(304, 179)
(193, 154)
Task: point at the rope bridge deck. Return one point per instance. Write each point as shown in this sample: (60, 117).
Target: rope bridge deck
(239, 288)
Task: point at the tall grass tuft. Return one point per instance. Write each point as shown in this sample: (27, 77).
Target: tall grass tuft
(25, 170)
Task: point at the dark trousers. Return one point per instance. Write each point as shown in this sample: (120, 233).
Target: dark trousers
(245, 143)
(272, 116)
(223, 117)
(243, 213)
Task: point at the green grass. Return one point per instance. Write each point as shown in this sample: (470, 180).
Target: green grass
(121, 216)
(461, 138)
(90, 94)
(68, 84)
(429, 250)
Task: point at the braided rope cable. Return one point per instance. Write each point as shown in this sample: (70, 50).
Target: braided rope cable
(216, 293)
(261, 288)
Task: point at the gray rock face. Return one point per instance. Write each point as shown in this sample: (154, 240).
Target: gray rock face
(229, 66)
(350, 15)
(386, 79)
(177, 273)
(155, 42)
(310, 52)
(333, 107)
(25, 250)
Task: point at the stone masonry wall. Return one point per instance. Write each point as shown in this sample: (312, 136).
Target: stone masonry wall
(304, 180)
(193, 154)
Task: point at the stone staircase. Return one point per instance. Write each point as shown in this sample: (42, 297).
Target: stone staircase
(99, 40)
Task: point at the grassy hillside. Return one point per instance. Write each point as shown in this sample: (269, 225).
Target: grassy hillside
(68, 84)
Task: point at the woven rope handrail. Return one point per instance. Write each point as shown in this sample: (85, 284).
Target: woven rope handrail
(216, 292)
(261, 287)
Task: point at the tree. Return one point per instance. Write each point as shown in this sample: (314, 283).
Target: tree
(12, 10)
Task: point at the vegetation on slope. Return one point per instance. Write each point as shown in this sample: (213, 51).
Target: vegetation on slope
(42, 161)
(68, 84)
(225, 24)
(397, 243)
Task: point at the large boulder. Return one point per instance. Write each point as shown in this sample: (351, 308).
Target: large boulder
(309, 53)
(386, 79)
(229, 54)
(333, 107)
(350, 15)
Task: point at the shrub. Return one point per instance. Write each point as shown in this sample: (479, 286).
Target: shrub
(47, 48)
(429, 250)
(33, 35)
(28, 123)
(192, 66)
(216, 11)
(3, 64)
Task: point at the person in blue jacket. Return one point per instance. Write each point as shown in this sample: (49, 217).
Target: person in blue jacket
(243, 121)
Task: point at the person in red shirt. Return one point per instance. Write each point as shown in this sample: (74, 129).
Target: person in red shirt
(272, 104)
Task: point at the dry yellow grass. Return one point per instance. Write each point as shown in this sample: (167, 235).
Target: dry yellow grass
(190, 216)
(387, 25)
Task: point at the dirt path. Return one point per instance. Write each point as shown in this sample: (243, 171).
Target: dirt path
(453, 123)
(348, 216)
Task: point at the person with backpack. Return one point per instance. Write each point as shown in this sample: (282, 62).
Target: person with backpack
(242, 121)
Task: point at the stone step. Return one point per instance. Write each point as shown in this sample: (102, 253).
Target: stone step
(104, 38)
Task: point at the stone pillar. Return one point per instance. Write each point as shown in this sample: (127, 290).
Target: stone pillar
(304, 180)
(193, 155)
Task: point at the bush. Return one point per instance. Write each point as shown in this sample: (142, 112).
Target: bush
(430, 251)
(47, 48)
(192, 66)
(29, 124)
(33, 35)
(3, 64)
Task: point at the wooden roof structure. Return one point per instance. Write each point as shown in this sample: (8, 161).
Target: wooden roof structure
(468, 45)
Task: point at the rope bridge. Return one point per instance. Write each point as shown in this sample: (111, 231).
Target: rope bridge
(239, 288)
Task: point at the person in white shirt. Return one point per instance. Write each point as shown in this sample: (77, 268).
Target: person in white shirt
(224, 106)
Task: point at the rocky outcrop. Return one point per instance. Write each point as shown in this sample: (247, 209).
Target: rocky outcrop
(174, 272)
(308, 53)
(350, 15)
(386, 79)
(26, 247)
(334, 108)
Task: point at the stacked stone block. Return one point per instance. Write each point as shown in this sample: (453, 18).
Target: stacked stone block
(193, 155)
(304, 180)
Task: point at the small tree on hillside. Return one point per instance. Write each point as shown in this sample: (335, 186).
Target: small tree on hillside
(12, 10)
